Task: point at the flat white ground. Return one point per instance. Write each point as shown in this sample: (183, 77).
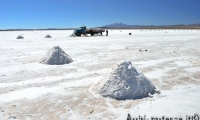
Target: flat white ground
(30, 90)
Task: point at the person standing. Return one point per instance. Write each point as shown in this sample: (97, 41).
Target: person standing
(101, 32)
(106, 32)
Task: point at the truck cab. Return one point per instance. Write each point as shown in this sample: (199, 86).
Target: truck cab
(80, 31)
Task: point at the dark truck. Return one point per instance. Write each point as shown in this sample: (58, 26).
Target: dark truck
(84, 31)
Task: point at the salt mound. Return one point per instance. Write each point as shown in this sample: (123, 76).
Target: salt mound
(47, 36)
(124, 82)
(56, 56)
(20, 37)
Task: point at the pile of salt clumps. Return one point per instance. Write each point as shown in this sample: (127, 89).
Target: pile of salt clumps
(20, 37)
(56, 56)
(47, 36)
(124, 82)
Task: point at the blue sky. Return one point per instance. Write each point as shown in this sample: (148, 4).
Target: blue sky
(94, 13)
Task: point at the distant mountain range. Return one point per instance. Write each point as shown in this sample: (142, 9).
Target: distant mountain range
(125, 26)
(117, 25)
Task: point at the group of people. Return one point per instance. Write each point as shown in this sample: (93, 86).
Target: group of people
(106, 32)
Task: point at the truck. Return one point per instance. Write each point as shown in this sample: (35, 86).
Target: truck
(84, 31)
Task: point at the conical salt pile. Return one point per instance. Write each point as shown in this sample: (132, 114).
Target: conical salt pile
(56, 56)
(47, 36)
(124, 82)
(20, 37)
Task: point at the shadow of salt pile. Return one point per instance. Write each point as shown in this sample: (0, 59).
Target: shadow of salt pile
(56, 56)
(124, 82)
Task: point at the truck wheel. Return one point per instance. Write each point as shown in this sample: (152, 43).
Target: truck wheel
(78, 34)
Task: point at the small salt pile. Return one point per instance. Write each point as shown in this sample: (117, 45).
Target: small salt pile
(124, 82)
(47, 36)
(56, 56)
(20, 37)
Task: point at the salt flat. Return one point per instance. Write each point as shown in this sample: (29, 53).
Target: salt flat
(30, 90)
